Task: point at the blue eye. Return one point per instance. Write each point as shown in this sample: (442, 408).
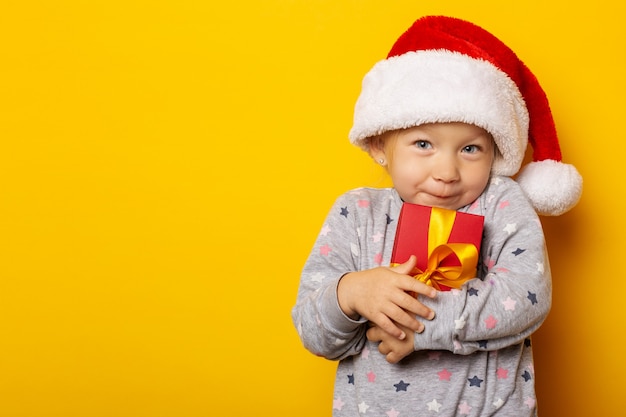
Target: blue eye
(471, 149)
(423, 144)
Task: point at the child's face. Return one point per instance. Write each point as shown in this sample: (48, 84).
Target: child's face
(441, 164)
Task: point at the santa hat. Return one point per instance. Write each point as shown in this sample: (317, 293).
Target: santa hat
(444, 69)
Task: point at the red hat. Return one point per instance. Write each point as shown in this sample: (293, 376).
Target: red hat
(445, 69)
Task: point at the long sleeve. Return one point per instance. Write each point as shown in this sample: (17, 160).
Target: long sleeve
(357, 234)
(512, 297)
(475, 353)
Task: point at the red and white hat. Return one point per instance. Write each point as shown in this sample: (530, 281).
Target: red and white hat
(445, 69)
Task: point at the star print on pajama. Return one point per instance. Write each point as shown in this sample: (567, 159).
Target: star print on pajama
(475, 357)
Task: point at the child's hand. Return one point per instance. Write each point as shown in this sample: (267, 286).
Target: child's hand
(393, 348)
(381, 296)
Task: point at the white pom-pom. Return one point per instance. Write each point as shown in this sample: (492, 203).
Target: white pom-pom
(551, 186)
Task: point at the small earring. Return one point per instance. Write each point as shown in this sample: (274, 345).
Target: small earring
(381, 161)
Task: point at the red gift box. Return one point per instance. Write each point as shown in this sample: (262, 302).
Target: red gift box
(445, 242)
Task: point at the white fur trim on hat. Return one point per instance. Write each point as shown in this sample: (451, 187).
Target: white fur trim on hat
(433, 86)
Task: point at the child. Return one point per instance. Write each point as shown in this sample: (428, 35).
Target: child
(448, 114)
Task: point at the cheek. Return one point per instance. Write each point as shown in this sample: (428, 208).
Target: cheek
(407, 171)
(482, 177)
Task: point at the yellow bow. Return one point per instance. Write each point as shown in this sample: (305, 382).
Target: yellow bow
(450, 276)
(435, 275)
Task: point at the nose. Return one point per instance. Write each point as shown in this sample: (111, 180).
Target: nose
(445, 169)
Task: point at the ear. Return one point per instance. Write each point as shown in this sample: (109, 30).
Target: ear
(376, 149)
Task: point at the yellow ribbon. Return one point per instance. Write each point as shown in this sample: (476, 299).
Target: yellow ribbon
(435, 275)
(453, 276)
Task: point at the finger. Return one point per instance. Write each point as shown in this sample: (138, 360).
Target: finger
(395, 316)
(393, 357)
(410, 323)
(386, 325)
(384, 348)
(373, 334)
(418, 287)
(406, 267)
(405, 308)
(412, 305)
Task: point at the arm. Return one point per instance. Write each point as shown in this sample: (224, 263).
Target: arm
(321, 324)
(514, 297)
(336, 299)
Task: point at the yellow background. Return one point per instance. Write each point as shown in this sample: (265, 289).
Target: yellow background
(165, 167)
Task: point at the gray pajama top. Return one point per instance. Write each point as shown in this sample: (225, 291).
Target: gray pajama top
(474, 358)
